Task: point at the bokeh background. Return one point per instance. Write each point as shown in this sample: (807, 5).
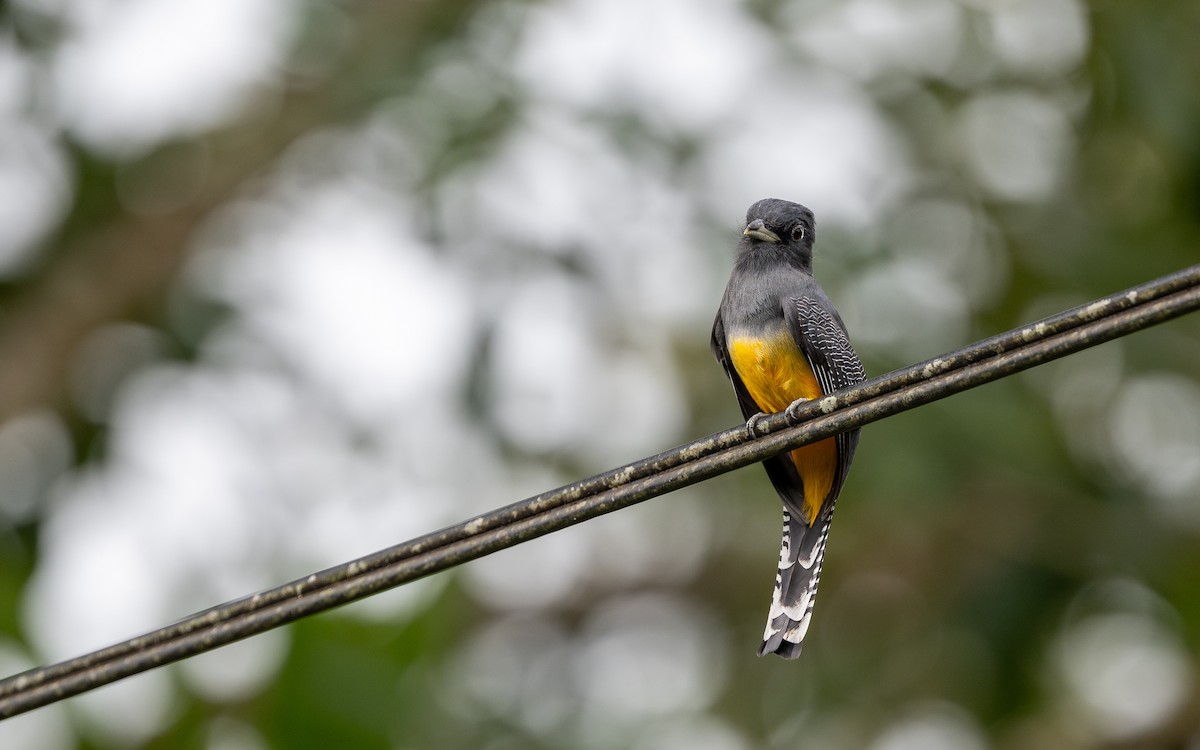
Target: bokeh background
(283, 282)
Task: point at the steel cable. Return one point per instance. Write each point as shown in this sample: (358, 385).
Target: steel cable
(985, 361)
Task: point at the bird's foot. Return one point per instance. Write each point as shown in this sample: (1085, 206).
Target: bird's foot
(794, 407)
(752, 424)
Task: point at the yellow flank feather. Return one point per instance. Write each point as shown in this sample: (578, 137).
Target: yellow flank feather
(775, 374)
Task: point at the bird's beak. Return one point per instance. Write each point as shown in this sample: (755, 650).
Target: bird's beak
(758, 230)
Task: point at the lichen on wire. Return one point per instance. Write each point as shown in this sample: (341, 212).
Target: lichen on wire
(982, 362)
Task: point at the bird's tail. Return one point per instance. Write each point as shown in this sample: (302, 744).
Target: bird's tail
(800, 558)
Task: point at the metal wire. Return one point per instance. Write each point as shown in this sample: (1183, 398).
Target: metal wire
(991, 359)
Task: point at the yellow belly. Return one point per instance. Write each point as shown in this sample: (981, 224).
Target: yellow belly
(775, 374)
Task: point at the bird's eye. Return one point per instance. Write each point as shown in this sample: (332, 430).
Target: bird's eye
(797, 233)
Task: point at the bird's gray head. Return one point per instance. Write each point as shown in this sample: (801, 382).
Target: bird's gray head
(775, 223)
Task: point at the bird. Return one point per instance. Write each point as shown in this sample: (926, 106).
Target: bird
(781, 343)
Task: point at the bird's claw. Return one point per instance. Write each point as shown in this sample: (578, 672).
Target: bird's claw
(792, 408)
(752, 424)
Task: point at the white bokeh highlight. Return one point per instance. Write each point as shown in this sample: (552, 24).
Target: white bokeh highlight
(128, 713)
(909, 308)
(1015, 143)
(646, 656)
(934, 727)
(1154, 431)
(35, 449)
(340, 267)
(137, 72)
(690, 62)
(1125, 672)
(35, 187)
(516, 669)
(1040, 37)
(873, 38)
(690, 732)
(824, 144)
(238, 671)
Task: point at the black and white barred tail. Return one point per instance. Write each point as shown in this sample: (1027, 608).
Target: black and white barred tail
(800, 556)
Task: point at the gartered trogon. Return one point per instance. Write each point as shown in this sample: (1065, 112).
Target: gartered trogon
(781, 341)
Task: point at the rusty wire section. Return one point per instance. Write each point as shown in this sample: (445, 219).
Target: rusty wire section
(982, 362)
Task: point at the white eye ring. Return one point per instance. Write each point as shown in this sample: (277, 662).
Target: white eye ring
(797, 233)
